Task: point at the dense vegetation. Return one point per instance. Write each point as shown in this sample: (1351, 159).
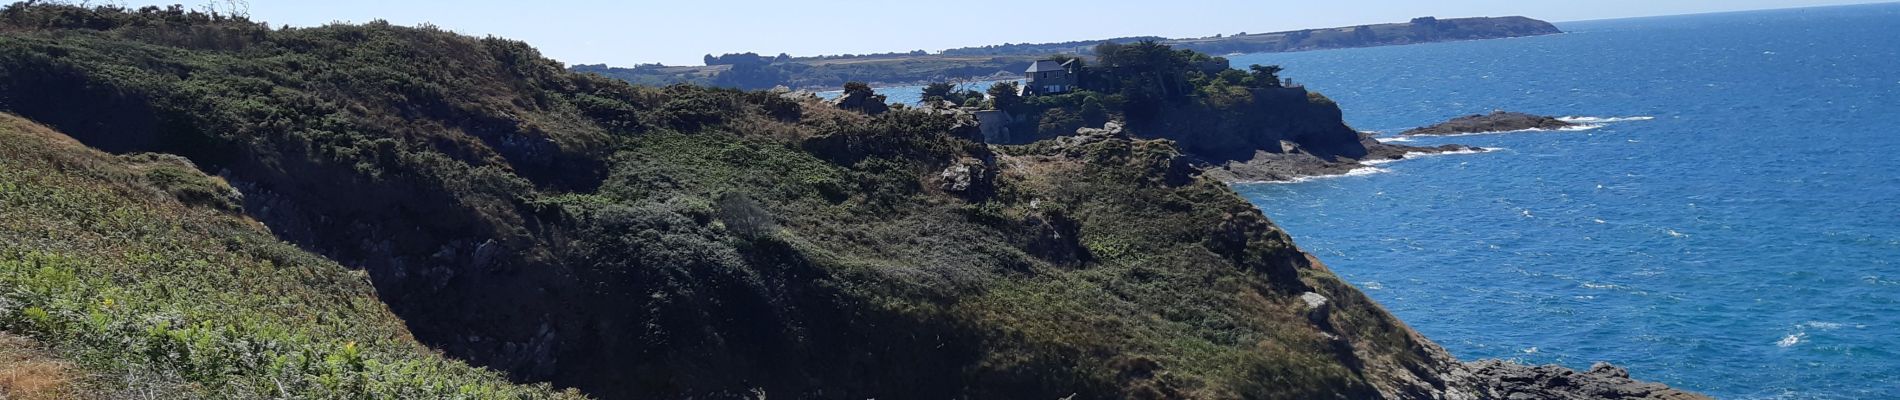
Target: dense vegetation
(136, 269)
(628, 241)
(1213, 112)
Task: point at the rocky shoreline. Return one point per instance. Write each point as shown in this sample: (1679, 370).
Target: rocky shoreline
(1297, 157)
(1293, 162)
(1496, 121)
(1295, 165)
(1484, 379)
(1505, 380)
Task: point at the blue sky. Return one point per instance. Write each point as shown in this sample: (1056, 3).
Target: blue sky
(678, 32)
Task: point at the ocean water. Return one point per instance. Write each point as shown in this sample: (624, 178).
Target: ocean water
(913, 94)
(1730, 223)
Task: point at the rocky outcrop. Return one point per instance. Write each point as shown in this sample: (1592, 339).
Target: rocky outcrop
(1503, 380)
(1496, 121)
(1275, 120)
(1295, 163)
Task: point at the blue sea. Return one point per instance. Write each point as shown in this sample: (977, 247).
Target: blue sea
(914, 94)
(1729, 223)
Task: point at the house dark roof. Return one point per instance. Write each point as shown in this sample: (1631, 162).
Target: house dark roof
(1045, 66)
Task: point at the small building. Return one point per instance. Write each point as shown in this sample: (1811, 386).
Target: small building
(1049, 77)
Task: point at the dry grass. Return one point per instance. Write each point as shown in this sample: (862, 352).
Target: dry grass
(26, 373)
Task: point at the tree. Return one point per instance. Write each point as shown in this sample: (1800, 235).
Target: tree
(747, 59)
(1006, 96)
(860, 97)
(1147, 74)
(939, 91)
(750, 76)
(1266, 76)
(851, 88)
(966, 96)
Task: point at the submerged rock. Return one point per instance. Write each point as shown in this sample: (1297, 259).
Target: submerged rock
(1496, 121)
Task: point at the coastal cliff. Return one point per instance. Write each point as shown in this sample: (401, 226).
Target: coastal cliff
(209, 207)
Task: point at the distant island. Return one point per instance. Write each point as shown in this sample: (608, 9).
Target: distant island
(1006, 61)
(1496, 121)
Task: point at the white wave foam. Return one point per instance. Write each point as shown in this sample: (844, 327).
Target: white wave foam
(1602, 120)
(1399, 139)
(1792, 340)
(1823, 325)
(1372, 166)
(1422, 154)
(1362, 171)
(1574, 128)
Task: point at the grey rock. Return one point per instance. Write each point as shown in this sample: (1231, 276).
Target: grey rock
(1497, 121)
(968, 176)
(1504, 380)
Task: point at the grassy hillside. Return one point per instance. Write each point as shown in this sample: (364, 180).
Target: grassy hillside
(134, 272)
(631, 242)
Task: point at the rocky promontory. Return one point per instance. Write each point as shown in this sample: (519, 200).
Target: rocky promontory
(1293, 162)
(1505, 380)
(1496, 121)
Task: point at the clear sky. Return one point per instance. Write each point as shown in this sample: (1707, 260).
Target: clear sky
(678, 32)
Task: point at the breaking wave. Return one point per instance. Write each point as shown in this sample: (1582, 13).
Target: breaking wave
(1361, 171)
(1420, 154)
(1576, 128)
(1602, 120)
(1791, 340)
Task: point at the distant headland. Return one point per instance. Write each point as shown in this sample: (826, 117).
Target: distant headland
(1006, 61)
